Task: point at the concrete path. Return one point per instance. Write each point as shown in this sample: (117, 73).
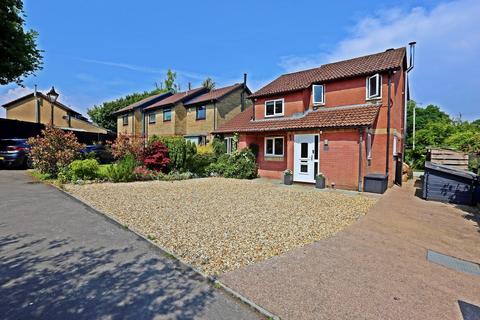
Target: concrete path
(375, 269)
(59, 260)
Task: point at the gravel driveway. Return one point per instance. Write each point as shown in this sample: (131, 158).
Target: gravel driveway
(218, 224)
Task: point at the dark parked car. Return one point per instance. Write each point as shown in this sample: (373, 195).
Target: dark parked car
(14, 153)
(101, 153)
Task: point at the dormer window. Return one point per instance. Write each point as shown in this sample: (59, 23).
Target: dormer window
(374, 87)
(274, 108)
(318, 94)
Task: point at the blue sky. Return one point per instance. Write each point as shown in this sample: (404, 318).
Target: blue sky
(99, 50)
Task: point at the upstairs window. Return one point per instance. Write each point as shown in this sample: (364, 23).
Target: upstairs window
(274, 108)
(318, 94)
(125, 120)
(152, 117)
(201, 113)
(274, 147)
(167, 114)
(374, 87)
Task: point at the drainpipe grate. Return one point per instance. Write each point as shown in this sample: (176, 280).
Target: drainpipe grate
(453, 263)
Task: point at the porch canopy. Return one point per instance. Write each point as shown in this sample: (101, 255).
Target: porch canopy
(323, 118)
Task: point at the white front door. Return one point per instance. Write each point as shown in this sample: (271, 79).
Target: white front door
(305, 159)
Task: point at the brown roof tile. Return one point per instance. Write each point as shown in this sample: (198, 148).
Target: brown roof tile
(143, 101)
(215, 94)
(373, 63)
(177, 97)
(333, 117)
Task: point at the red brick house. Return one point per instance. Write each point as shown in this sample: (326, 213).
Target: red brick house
(334, 119)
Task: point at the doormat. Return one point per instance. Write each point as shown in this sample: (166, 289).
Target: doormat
(469, 311)
(453, 263)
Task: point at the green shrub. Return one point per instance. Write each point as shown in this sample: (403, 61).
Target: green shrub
(255, 148)
(174, 176)
(199, 163)
(239, 165)
(53, 150)
(83, 169)
(179, 150)
(123, 171)
(218, 145)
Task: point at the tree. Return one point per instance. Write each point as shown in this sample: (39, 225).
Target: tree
(435, 128)
(169, 81)
(208, 83)
(19, 55)
(103, 114)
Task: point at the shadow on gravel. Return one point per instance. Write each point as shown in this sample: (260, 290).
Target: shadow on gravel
(42, 279)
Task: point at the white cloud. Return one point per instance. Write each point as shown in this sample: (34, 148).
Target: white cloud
(12, 94)
(448, 43)
(146, 69)
(449, 31)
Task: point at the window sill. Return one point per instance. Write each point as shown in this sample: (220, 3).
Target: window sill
(167, 120)
(275, 116)
(373, 99)
(201, 119)
(273, 158)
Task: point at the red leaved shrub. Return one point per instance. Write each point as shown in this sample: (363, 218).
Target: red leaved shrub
(53, 150)
(155, 156)
(125, 145)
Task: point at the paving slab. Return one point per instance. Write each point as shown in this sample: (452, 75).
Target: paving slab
(60, 260)
(376, 268)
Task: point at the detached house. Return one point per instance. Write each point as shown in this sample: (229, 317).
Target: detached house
(343, 119)
(193, 114)
(36, 107)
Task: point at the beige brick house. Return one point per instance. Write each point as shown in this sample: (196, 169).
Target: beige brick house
(193, 114)
(131, 120)
(35, 107)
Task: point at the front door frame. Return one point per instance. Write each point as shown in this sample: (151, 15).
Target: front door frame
(315, 161)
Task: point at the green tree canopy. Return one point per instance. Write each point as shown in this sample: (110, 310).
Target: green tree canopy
(103, 114)
(435, 128)
(209, 83)
(19, 55)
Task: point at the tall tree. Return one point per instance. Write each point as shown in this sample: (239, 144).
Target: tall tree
(209, 83)
(19, 55)
(170, 83)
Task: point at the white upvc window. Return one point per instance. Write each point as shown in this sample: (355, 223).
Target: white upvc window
(395, 139)
(152, 117)
(230, 144)
(318, 93)
(274, 108)
(374, 87)
(274, 146)
(125, 120)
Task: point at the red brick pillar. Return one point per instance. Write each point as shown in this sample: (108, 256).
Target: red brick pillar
(289, 152)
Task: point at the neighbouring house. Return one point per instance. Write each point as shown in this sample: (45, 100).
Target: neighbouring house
(345, 120)
(193, 114)
(207, 112)
(36, 107)
(131, 120)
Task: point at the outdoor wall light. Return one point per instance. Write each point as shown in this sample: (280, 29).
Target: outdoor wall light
(325, 142)
(52, 95)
